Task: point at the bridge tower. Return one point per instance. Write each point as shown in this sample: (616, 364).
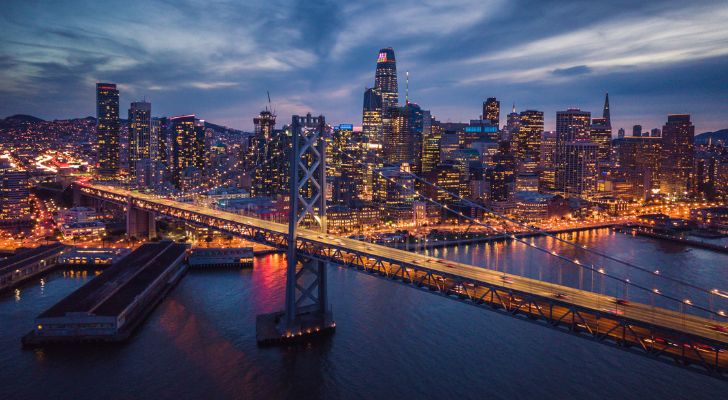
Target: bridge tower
(306, 309)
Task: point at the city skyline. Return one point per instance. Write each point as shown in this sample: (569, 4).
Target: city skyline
(676, 69)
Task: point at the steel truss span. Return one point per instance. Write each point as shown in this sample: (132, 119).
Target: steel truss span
(682, 338)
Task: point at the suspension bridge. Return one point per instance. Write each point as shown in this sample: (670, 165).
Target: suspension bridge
(673, 329)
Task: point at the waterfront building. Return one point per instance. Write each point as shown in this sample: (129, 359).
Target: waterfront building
(107, 128)
(83, 230)
(532, 206)
(640, 157)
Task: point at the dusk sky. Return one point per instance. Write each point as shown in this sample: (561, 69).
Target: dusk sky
(217, 58)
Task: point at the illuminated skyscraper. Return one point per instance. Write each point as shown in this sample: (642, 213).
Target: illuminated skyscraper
(372, 118)
(385, 79)
(140, 133)
(269, 159)
(576, 154)
(502, 177)
(491, 111)
(640, 158)
(572, 124)
(188, 148)
(601, 134)
(526, 142)
(402, 136)
(547, 164)
(107, 128)
(580, 172)
(431, 134)
(512, 124)
(15, 203)
(678, 143)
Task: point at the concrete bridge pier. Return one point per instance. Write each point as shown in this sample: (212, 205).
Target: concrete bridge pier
(139, 223)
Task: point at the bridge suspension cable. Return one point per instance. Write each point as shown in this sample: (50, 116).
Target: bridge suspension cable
(629, 264)
(576, 262)
(222, 177)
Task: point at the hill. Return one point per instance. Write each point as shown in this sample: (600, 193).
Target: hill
(721, 135)
(18, 118)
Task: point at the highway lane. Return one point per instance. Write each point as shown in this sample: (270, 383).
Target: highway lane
(646, 314)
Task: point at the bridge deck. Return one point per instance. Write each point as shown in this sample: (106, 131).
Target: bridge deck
(582, 309)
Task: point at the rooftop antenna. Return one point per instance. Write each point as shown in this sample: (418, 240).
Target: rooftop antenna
(406, 92)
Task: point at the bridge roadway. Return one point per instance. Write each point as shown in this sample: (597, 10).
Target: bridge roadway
(683, 338)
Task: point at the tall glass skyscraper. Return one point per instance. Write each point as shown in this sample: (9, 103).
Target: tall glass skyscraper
(140, 133)
(107, 128)
(372, 116)
(385, 79)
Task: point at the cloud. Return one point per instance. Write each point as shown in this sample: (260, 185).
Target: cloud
(218, 58)
(572, 71)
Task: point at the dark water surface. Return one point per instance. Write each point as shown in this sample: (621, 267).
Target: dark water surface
(392, 341)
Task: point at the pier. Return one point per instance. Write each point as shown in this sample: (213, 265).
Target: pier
(110, 306)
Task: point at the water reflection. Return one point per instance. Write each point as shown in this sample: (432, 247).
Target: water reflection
(701, 268)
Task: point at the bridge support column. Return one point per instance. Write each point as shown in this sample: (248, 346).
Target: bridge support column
(306, 311)
(139, 223)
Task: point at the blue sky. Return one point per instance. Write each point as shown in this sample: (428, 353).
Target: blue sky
(217, 58)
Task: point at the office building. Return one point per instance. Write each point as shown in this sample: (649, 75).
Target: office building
(140, 134)
(576, 154)
(385, 79)
(107, 128)
(270, 153)
(431, 135)
(14, 193)
(491, 111)
(526, 142)
(678, 143)
(188, 151)
(601, 134)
